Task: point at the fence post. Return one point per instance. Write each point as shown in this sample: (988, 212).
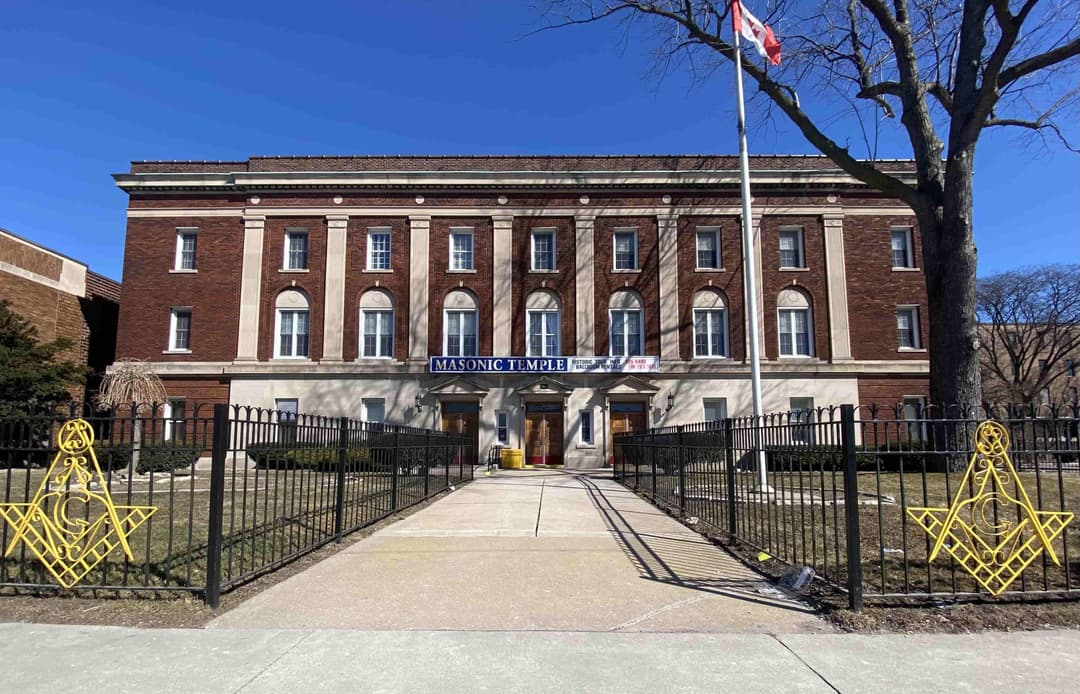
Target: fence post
(212, 595)
(729, 473)
(427, 463)
(652, 459)
(851, 508)
(680, 461)
(395, 461)
(339, 494)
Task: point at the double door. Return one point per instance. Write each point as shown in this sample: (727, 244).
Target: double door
(626, 417)
(543, 434)
(463, 419)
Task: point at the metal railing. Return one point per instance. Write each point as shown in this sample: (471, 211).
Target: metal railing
(239, 491)
(838, 482)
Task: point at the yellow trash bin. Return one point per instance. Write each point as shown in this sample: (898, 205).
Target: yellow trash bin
(511, 459)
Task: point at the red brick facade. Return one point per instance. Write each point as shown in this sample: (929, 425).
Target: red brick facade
(442, 280)
(645, 280)
(358, 280)
(276, 279)
(562, 281)
(728, 280)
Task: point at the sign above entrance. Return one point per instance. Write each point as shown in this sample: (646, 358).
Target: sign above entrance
(494, 365)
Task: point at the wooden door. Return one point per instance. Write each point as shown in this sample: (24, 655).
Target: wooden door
(463, 418)
(626, 417)
(543, 434)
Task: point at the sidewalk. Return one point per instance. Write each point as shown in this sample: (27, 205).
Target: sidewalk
(530, 551)
(39, 658)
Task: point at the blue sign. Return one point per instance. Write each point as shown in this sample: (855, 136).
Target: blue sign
(496, 365)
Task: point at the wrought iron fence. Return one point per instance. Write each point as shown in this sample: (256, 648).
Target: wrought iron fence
(239, 491)
(829, 489)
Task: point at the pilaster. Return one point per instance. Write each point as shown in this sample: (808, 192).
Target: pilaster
(419, 228)
(667, 226)
(334, 310)
(247, 342)
(584, 252)
(836, 275)
(501, 284)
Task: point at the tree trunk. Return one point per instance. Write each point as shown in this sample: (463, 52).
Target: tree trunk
(949, 260)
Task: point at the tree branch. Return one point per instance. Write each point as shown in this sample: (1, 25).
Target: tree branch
(1038, 62)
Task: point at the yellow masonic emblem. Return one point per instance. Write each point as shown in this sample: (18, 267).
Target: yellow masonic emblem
(974, 530)
(71, 530)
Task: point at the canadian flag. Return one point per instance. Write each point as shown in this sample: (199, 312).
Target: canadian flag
(753, 30)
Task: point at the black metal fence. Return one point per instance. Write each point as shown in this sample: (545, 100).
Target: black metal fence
(829, 489)
(239, 491)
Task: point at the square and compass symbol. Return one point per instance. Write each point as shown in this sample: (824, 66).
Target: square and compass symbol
(72, 524)
(991, 528)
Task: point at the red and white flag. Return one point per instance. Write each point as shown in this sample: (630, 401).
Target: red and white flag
(753, 30)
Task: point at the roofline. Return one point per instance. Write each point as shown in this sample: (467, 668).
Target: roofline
(46, 249)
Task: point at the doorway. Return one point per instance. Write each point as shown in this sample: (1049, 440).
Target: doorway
(463, 418)
(626, 417)
(544, 434)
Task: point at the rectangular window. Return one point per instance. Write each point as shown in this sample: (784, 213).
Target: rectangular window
(543, 334)
(802, 419)
(543, 249)
(293, 333)
(915, 409)
(902, 255)
(186, 240)
(795, 333)
(460, 334)
(710, 332)
(288, 410)
(180, 330)
(296, 249)
(1070, 368)
(378, 336)
(791, 248)
(907, 327)
(378, 248)
(708, 248)
(461, 249)
(714, 409)
(587, 428)
(502, 428)
(626, 333)
(175, 416)
(625, 249)
(374, 410)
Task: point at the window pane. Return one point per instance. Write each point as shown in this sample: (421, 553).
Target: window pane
(462, 258)
(633, 333)
(298, 248)
(301, 333)
(802, 334)
(380, 251)
(551, 329)
(618, 338)
(900, 249)
(706, 250)
(625, 254)
(701, 337)
(536, 337)
(469, 333)
(716, 332)
(187, 251)
(586, 426)
(543, 251)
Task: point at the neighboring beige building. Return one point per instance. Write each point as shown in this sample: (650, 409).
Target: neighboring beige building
(62, 298)
(1021, 373)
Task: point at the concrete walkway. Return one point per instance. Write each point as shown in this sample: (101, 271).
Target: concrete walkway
(530, 551)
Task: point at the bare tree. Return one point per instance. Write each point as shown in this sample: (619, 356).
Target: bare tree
(1031, 330)
(950, 70)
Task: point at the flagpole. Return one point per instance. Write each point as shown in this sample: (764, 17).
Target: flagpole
(750, 269)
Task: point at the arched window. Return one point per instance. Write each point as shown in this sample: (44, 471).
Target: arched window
(460, 324)
(626, 319)
(376, 325)
(292, 325)
(543, 322)
(795, 324)
(710, 324)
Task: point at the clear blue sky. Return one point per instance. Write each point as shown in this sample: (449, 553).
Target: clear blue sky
(87, 87)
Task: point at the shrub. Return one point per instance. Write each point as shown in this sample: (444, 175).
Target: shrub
(910, 456)
(811, 459)
(112, 455)
(276, 456)
(166, 458)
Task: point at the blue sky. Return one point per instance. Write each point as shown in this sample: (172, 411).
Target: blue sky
(87, 87)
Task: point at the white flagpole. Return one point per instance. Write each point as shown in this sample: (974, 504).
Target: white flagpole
(749, 268)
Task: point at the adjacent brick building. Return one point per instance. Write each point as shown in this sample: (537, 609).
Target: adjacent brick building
(329, 284)
(62, 298)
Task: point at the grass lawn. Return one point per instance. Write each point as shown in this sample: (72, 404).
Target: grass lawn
(803, 522)
(269, 518)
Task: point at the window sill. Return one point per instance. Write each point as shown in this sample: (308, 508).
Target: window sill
(910, 350)
(709, 269)
(176, 351)
(543, 272)
(460, 272)
(379, 271)
(373, 360)
(586, 446)
(798, 357)
(627, 272)
(711, 358)
(308, 359)
(793, 269)
(907, 269)
(176, 271)
(299, 270)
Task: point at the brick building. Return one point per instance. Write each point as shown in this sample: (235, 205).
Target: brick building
(338, 284)
(61, 297)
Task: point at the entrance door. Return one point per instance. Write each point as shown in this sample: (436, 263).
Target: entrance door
(463, 418)
(626, 417)
(543, 434)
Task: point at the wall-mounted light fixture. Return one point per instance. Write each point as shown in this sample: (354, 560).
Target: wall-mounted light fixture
(670, 402)
(419, 404)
